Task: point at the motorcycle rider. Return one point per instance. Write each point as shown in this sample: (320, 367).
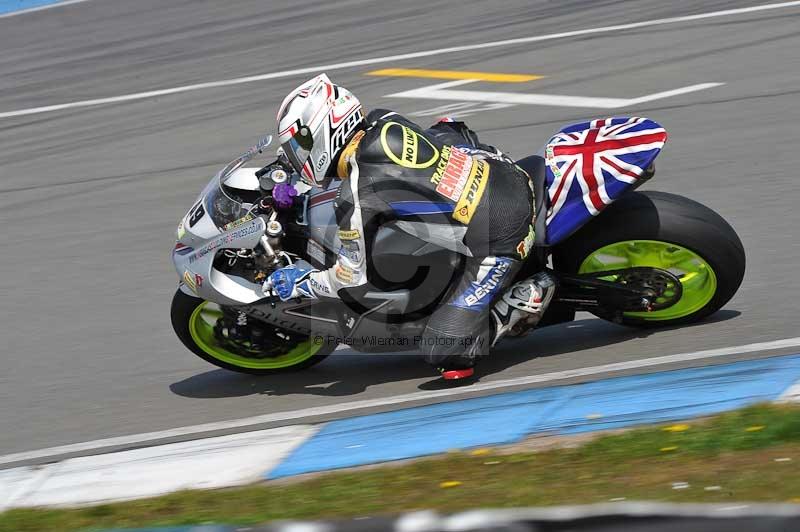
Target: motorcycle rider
(470, 198)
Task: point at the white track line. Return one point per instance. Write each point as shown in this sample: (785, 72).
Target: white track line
(440, 92)
(400, 57)
(42, 8)
(673, 92)
(394, 400)
(202, 464)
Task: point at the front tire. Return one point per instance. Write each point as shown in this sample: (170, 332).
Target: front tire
(667, 231)
(193, 320)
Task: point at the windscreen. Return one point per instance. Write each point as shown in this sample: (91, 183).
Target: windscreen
(222, 203)
(223, 207)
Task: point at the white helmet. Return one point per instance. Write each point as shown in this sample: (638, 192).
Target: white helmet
(315, 121)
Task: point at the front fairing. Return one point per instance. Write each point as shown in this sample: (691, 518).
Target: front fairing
(195, 265)
(218, 220)
(201, 235)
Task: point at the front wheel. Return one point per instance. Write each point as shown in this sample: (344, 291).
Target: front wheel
(668, 232)
(198, 325)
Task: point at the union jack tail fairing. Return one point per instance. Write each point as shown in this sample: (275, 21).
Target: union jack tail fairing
(591, 164)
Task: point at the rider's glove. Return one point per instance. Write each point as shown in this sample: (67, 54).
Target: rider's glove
(289, 282)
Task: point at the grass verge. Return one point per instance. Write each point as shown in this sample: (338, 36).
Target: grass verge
(751, 454)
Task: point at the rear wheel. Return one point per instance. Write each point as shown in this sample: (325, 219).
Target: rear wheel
(198, 324)
(668, 232)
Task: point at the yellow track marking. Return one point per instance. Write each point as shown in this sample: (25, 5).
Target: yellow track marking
(454, 74)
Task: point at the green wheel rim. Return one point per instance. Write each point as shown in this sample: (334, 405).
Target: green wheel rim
(201, 328)
(698, 280)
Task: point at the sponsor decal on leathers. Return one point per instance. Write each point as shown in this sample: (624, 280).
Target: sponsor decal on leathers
(524, 247)
(345, 234)
(415, 151)
(452, 173)
(318, 287)
(473, 192)
(481, 292)
(351, 250)
(347, 152)
(344, 274)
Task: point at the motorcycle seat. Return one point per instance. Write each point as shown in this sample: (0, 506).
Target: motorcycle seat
(534, 165)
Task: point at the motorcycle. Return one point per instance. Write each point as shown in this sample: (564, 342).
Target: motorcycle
(641, 259)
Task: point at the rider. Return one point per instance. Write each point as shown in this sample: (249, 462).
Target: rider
(392, 170)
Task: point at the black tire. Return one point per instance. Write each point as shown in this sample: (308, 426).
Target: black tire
(669, 218)
(183, 305)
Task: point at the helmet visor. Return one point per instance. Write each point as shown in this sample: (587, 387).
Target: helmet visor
(298, 148)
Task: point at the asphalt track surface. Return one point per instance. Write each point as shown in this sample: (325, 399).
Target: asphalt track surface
(90, 197)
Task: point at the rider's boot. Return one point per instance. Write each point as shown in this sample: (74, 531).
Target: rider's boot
(523, 305)
(462, 365)
(459, 367)
(519, 309)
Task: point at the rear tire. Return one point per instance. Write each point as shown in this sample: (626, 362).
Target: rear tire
(647, 229)
(194, 332)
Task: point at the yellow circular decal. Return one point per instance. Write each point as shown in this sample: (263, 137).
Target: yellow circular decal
(407, 148)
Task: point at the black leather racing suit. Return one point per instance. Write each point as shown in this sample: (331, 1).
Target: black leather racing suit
(480, 205)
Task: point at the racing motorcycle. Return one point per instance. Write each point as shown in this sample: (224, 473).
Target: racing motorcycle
(637, 258)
